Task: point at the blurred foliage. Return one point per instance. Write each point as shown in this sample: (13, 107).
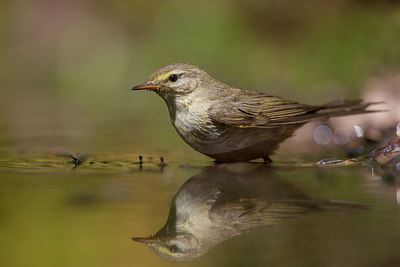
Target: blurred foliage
(73, 62)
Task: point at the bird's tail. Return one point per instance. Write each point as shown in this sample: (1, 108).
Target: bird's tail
(346, 107)
(332, 205)
(262, 212)
(332, 109)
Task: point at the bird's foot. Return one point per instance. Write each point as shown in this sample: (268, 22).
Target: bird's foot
(267, 160)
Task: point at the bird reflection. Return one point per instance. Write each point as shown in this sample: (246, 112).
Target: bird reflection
(390, 175)
(225, 201)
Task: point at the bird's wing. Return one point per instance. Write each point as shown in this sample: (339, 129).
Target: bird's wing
(258, 110)
(249, 214)
(250, 109)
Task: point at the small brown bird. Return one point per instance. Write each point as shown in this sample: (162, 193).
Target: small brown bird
(229, 124)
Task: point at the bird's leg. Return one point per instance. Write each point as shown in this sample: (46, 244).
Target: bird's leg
(267, 160)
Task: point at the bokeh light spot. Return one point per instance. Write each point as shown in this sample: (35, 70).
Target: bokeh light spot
(322, 135)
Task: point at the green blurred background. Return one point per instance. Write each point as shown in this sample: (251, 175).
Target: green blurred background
(67, 66)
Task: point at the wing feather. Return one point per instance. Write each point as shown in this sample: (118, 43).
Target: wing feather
(250, 109)
(256, 110)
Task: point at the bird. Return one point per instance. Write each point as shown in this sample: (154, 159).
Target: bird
(227, 200)
(229, 124)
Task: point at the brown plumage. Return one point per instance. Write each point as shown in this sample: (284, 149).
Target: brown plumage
(229, 124)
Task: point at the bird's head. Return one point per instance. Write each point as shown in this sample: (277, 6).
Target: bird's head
(175, 79)
(177, 247)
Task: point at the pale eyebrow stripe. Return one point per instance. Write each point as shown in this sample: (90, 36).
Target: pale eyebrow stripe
(166, 75)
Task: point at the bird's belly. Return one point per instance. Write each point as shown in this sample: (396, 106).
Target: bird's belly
(227, 143)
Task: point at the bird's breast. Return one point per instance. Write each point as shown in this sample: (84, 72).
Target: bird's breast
(191, 120)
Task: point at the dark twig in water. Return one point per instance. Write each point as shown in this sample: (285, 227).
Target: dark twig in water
(76, 161)
(162, 164)
(140, 161)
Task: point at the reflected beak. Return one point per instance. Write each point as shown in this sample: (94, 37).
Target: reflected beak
(145, 240)
(146, 86)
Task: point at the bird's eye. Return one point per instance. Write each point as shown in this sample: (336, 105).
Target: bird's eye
(173, 78)
(173, 248)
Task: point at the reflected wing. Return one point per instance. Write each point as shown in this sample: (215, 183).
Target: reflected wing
(249, 214)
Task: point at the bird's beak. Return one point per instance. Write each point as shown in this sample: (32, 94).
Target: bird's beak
(145, 240)
(146, 86)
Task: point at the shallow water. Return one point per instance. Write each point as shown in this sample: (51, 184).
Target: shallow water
(52, 214)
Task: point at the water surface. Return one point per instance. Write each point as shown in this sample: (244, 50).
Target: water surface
(52, 214)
